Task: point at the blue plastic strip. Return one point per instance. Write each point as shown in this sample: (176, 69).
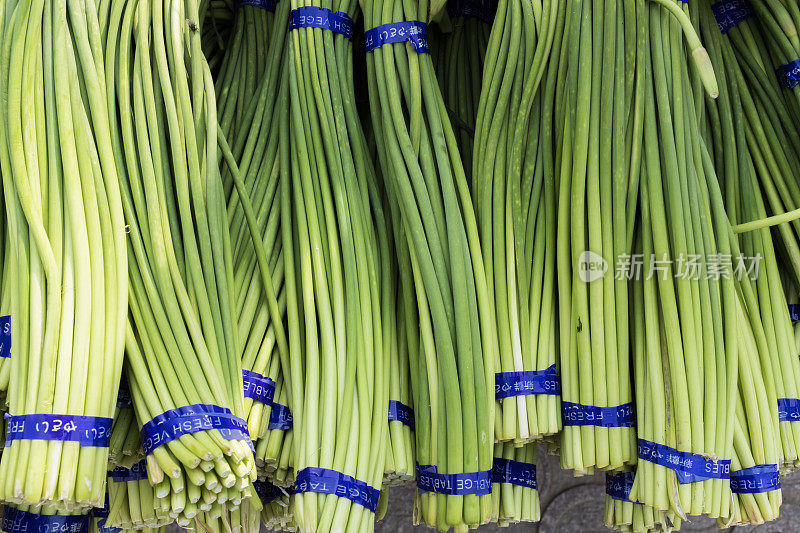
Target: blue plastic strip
(258, 387)
(576, 414)
(794, 313)
(483, 10)
(619, 485)
(5, 336)
(268, 5)
(729, 13)
(85, 430)
(507, 384)
(689, 467)
(759, 478)
(174, 423)
(320, 17)
(514, 472)
(19, 521)
(412, 31)
(280, 417)
(101, 527)
(324, 481)
(429, 480)
(401, 412)
(788, 409)
(134, 473)
(789, 74)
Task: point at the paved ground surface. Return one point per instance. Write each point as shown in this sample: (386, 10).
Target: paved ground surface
(575, 505)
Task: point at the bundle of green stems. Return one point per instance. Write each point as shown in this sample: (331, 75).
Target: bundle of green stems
(133, 503)
(514, 191)
(515, 496)
(598, 121)
(339, 374)
(687, 361)
(735, 127)
(622, 514)
(218, 18)
(251, 123)
(459, 42)
(182, 345)
(440, 263)
(125, 446)
(65, 284)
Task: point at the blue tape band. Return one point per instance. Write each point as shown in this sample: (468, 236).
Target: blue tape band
(794, 313)
(401, 412)
(759, 478)
(320, 17)
(429, 480)
(101, 527)
(175, 423)
(729, 13)
(85, 430)
(483, 10)
(412, 31)
(324, 481)
(280, 417)
(576, 414)
(689, 467)
(514, 472)
(134, 473)
(268, 5)
(789, 74)
(5, 336)
(788, 409)
(507, 384)
(619, 485)
(258, 387)
(19, 521)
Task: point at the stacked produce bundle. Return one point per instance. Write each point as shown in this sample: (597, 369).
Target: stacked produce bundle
(692, 316)
(5, 300)
(245, 62)
(182, 348)
(133, 503)
(251, 125)
(339, 369)
(125, 445)
(400, 457)
(599, 123)
(622, 514)
(515, 493)
(458, 55)
(274, 454)
(768, 109)
(66, 280)
(426, 184)
(231, 517)
(218, 17)
(276, 514)
(515, 197)
(740, 154)
(779, 22)
(763, 433)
